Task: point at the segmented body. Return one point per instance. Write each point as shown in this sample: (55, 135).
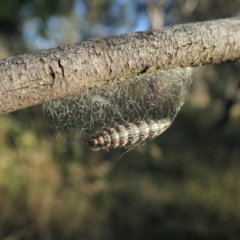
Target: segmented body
(127, 135)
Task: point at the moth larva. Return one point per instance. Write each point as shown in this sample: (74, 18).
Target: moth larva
(128, 135)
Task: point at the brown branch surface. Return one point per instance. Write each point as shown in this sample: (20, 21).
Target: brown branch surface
(34, 78)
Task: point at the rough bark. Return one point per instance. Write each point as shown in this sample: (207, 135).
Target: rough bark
(34, 78)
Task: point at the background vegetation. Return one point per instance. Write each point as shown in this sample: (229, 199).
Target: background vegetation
(183, 185)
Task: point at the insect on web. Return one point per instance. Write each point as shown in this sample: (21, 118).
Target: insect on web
(121, 113)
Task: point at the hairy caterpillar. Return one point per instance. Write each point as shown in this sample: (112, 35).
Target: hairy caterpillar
(127, 135)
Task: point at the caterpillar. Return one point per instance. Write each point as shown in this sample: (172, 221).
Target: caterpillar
(128, 135)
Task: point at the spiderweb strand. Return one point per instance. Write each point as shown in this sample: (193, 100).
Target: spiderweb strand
(122, 113)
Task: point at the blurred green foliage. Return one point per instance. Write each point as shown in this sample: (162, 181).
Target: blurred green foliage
(183, 185)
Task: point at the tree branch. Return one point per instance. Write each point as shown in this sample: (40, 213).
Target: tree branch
(34, 78)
